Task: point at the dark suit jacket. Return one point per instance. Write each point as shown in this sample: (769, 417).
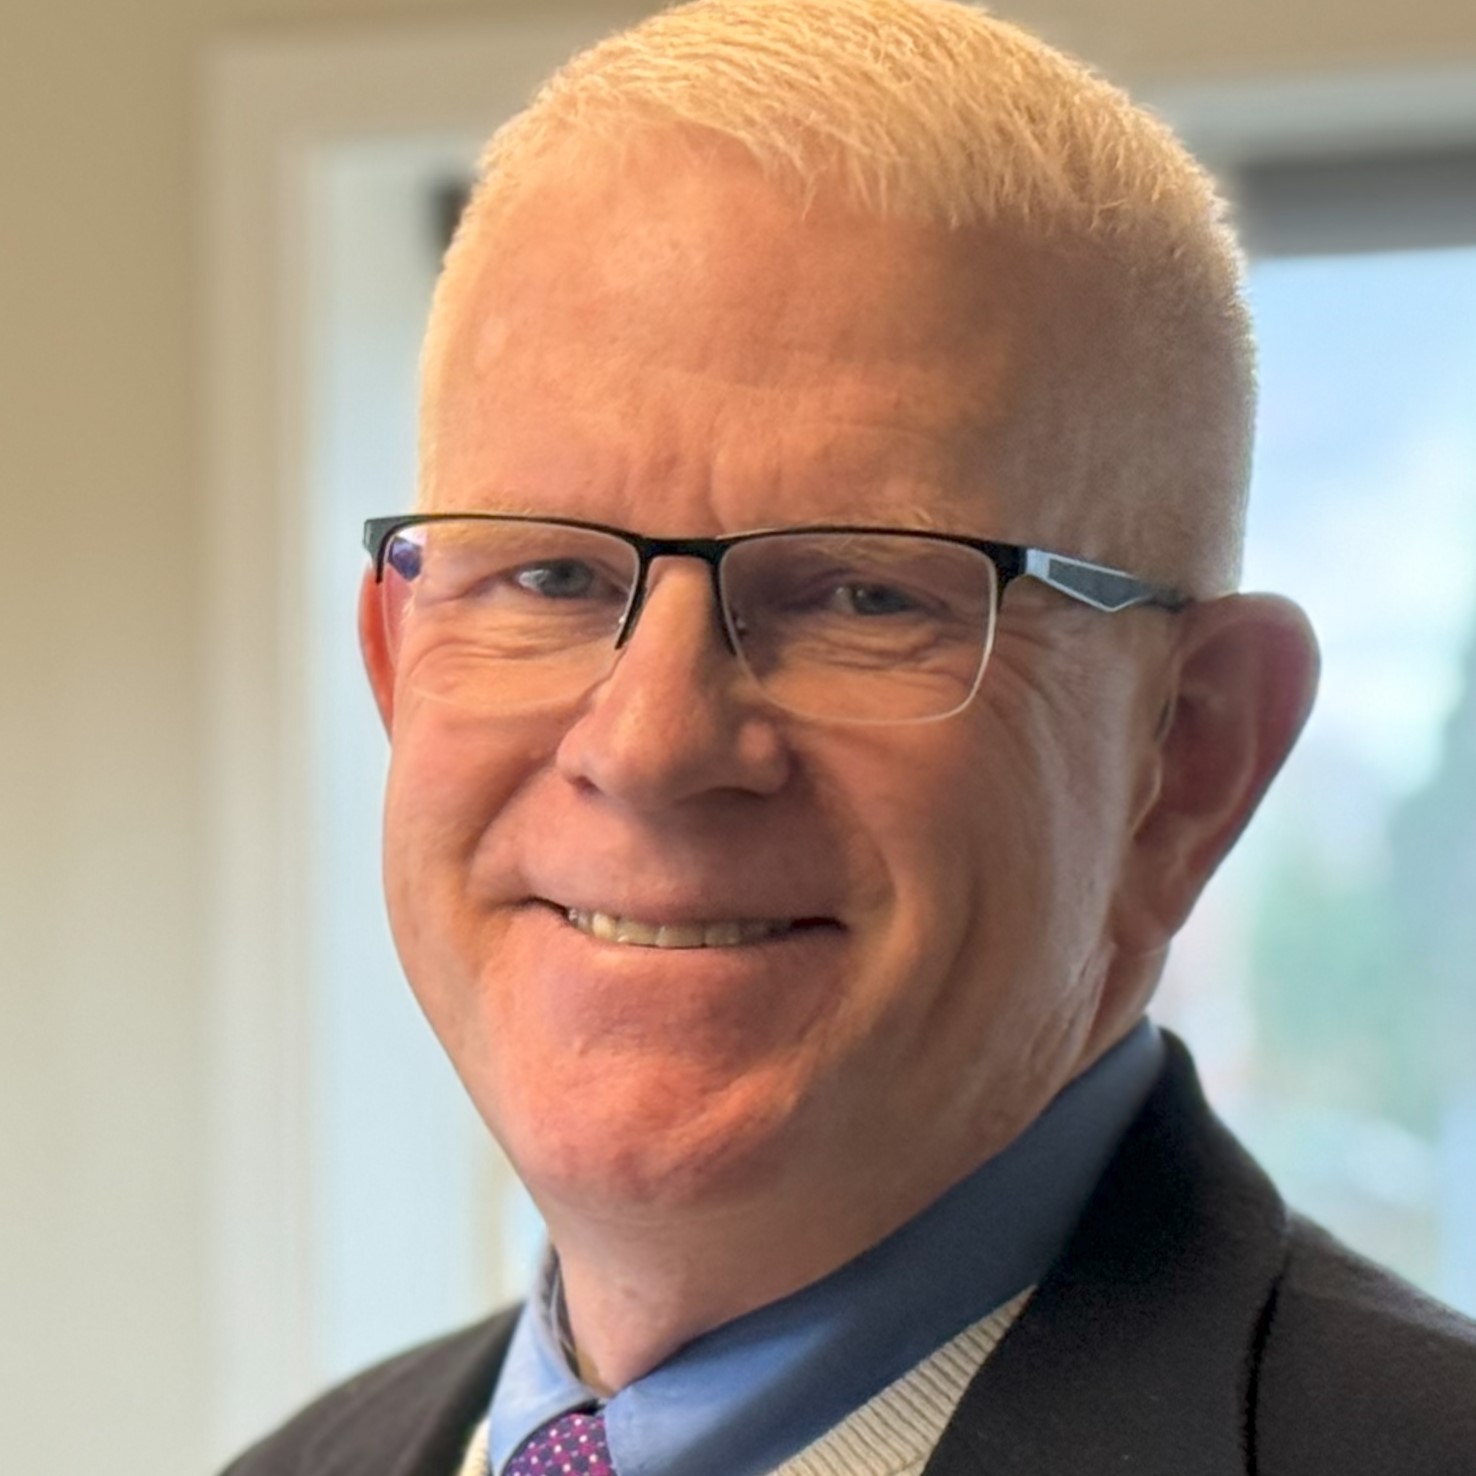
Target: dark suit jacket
(1192, 1327)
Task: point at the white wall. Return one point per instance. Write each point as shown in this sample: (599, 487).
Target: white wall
(104, 1072)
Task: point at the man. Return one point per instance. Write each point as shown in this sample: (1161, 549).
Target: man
(789, 904)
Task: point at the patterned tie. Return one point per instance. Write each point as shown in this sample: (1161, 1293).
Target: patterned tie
(573, 1443)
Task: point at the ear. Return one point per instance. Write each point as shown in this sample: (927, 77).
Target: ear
(374, 647)
(1244, 679)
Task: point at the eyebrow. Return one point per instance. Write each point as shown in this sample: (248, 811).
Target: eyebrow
(897, 509)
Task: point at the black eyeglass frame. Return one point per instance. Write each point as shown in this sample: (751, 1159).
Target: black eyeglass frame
(1097, 585)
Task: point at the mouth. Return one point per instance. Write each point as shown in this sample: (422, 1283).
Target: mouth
(718, 933)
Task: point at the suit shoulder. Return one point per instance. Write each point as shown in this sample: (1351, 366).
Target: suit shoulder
(1360, 1372)
(431, 1395)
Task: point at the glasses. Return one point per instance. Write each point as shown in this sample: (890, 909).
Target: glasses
(502, 614)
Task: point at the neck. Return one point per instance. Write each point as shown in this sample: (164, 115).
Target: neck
(636, 1294)
(640, 1284)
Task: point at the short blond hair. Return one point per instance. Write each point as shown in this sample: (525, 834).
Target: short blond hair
(935, 111)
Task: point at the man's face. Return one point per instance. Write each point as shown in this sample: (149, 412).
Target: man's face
(680, 352)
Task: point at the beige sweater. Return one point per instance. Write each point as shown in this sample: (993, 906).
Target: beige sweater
(894, 1432)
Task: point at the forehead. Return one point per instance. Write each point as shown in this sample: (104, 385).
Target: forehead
(657, 322)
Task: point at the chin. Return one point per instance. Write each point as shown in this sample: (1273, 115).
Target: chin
(657, 1143)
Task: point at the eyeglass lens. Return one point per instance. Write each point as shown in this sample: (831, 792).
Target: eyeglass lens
(509, 617)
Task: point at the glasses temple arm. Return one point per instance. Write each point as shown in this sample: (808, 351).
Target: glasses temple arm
(1095, 584)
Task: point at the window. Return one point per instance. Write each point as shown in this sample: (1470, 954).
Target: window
(1322, 981)
(416, 1220)
(1328, 980)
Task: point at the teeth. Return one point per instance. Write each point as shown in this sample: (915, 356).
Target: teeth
(612, 929)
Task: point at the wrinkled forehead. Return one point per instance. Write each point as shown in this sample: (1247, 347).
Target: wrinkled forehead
(608, 284)
(657, 252)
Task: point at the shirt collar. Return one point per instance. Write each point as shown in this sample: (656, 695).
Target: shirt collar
(745, 1396)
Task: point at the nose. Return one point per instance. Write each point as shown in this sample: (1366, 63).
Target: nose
(677, 718)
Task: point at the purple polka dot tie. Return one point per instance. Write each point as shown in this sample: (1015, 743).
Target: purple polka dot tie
(572, 1444)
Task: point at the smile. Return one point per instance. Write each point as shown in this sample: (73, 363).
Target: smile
(611, 929)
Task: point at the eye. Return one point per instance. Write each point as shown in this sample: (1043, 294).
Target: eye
(872, 599)
(558, 579)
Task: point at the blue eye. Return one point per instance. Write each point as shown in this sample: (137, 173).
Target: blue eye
(874, 599)
(557, 579)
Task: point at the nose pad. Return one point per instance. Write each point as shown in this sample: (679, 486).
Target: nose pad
(676, 717)
(638, 600)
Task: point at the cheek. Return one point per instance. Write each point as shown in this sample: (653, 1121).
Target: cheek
(962, 815)
(451, 781)
(453, 773)
(1002, 897)
(940, 817)
(1064, 766)
(996, 826)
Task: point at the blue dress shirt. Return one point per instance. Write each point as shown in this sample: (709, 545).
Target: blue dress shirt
(744, 1397)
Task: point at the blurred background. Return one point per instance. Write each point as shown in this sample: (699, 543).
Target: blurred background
(232, 1164)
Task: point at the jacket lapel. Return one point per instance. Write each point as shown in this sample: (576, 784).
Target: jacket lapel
(417, 1426)
(1137, 1352)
